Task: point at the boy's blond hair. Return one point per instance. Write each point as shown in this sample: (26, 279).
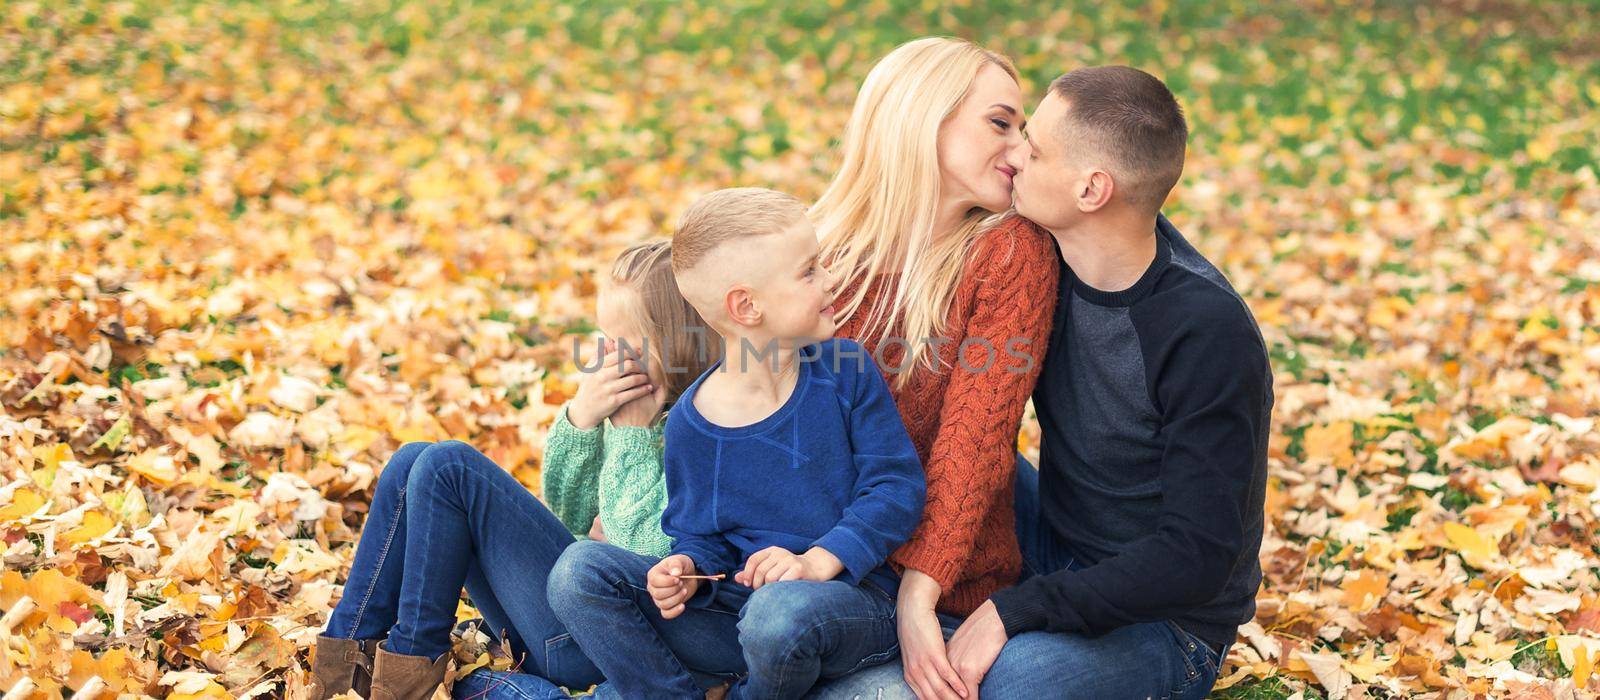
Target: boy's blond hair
(727, 215)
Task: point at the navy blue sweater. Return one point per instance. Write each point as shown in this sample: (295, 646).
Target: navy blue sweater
(833, 468)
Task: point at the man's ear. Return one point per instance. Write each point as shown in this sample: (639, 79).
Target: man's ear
(740, 305)
(1096, 191)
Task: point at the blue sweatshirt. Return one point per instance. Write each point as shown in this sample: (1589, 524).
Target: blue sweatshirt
(833, 468)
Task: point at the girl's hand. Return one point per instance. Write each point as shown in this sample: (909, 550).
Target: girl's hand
(927, 666)
(641, 412)
(601, 392)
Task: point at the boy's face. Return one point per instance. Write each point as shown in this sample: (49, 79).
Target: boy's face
(792, 290)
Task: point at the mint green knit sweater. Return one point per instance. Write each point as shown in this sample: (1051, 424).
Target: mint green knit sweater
(614, 471)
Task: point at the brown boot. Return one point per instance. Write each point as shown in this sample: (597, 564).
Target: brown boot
(401, 677)
(342, 665)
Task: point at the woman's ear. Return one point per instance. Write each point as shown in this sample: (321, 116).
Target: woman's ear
(741, 306)
(1096, 191)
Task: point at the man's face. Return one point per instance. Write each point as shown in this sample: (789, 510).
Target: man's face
(1047, 181)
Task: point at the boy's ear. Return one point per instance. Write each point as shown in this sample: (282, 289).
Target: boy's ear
(740, 306)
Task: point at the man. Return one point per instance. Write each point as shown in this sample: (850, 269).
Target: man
(1141, 529)
(1141, 536)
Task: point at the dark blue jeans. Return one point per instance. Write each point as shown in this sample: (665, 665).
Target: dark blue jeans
(445, 516)
(1149, 660)
(780, 638)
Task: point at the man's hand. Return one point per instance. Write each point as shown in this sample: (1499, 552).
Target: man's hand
(977, 643)
(927, 668)
(667, 590)
(779, 564)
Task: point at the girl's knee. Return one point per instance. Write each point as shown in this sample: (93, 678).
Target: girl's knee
(440, 459)
(397, 471)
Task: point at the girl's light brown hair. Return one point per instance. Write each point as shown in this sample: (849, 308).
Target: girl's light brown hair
(678, 354)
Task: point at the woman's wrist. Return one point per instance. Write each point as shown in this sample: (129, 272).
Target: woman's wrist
(919, 592)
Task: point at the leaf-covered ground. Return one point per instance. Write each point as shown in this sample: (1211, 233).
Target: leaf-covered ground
(249, 250)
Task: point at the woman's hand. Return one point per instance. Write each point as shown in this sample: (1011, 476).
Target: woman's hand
(596, 532)
(601, 392)
(927, 667)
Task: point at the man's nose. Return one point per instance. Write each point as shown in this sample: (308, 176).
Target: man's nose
(1017, 155)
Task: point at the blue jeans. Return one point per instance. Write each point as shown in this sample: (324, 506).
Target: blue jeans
(1147, 660)
(444, 516)
(774, 642)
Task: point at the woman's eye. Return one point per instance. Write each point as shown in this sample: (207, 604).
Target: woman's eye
(1003, 124)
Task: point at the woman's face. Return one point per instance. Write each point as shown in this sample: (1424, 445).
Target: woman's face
(974, 141)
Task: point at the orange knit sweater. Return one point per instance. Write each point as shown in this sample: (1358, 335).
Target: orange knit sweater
(965, 420)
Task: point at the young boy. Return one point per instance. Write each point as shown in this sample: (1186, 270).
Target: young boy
(790, 478)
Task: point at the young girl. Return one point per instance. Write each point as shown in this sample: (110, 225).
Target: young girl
(445, 516)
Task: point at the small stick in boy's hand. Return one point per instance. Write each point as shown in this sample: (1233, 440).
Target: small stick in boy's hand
(712, 577)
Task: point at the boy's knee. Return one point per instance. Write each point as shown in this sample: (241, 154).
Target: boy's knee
(777, 618)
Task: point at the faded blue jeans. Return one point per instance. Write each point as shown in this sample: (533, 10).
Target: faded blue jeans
(1150, 660)
(774, 642)
(445, 516)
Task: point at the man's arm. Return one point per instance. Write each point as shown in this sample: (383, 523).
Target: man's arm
(1211, 392)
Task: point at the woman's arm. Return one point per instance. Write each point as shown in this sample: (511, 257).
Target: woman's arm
(571, 472)
(971, 465)
(633, 490)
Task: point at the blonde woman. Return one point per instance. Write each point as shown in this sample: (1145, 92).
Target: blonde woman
(954, 300)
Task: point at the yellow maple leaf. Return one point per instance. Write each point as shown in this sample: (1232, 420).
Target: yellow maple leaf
(1363, 591)
(95, 524)
(1333, 442)
(1476, 549)
(156, 465)
(24, 502)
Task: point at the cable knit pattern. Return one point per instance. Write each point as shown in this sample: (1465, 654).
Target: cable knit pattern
(614, 471)
(964, 420)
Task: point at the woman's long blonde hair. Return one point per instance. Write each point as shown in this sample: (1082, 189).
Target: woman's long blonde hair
(877, 214)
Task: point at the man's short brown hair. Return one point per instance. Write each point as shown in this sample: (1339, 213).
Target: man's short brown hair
(730, 214)
(1133, 119)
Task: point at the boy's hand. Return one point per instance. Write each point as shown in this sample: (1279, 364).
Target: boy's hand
(779, 564)
(667, 590)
